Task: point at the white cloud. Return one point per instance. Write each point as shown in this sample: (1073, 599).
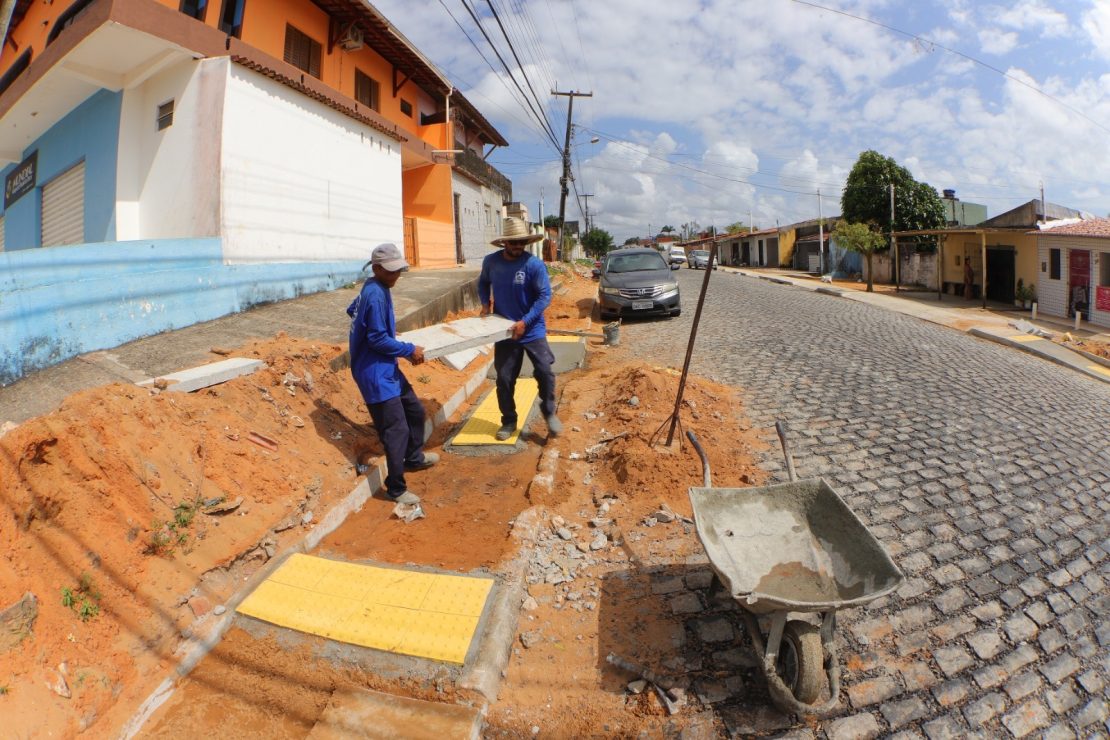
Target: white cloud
(994, 41)
(1096, 22)
(1032, 15)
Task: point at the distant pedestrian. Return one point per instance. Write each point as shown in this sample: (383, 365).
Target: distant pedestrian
(397, 413)
(969, 279)
(514, 284)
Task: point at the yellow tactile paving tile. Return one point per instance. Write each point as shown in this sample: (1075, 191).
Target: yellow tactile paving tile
(1024, 338)
(1100, 370)
(427, 615)
(483, 424)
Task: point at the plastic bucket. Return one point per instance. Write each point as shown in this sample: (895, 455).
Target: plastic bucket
(612, 332)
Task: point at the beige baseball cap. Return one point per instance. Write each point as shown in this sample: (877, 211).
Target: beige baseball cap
(389, 257)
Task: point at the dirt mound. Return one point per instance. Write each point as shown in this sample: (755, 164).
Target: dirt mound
(622, 417)
(103, 516)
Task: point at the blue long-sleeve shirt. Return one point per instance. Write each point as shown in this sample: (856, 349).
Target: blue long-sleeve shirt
(521, 291)
(374, 344)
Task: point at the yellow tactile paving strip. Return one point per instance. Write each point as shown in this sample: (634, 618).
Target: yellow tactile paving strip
(483, 424)
(1100, 370)
(426, 615)
(481, 428)
(1024, 338)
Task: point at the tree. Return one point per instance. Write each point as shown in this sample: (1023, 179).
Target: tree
(551, 222)
(597, 242)
(632, 240)
(667, 230)
(737, 227)
(862, 238)
(866, 197)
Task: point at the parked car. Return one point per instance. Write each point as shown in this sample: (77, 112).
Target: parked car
(699, 259)
(637, 282)
(677, 256)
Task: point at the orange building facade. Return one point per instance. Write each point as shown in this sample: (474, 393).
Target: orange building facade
(342, 50)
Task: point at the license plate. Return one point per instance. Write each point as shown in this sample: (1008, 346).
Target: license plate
(642, 305)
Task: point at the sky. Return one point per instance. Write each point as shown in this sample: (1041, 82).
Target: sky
(712, 112)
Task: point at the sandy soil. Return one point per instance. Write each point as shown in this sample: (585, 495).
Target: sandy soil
(99, 511)
(1090, 346)
(104, 487)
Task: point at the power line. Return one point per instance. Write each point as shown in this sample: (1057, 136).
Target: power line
(512, 48)
(960, 54)
(543, 122)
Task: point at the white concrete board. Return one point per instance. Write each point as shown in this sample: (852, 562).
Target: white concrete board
(214, 373)
(455, 336)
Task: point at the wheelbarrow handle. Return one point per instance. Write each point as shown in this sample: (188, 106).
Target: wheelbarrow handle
(781, 429)
(704, 459)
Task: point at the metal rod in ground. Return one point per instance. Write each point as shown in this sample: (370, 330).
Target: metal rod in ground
(690, 344)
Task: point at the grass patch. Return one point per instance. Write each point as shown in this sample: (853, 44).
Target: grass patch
(84, 599)
(166, 536)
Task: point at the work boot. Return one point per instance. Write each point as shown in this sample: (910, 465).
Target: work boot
(430, 459)
(554, 426)
(406, 497)
(505, 432)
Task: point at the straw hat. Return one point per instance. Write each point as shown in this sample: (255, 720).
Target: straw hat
(515, 231)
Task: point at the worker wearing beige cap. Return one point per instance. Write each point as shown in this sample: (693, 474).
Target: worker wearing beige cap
(397, 413)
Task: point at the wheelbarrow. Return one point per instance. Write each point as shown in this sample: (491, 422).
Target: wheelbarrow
(792, 553)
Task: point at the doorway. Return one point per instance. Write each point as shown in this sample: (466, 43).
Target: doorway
(1079, 281)
(1000, 275)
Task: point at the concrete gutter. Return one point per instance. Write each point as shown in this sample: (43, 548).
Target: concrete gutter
(195, 649)
(995, 329)
(1048, 350)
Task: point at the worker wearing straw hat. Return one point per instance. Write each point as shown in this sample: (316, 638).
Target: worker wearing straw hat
(514, 284)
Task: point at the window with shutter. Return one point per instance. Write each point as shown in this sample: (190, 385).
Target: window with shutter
(302, 52)
(231, 17)
(367, 91)
(63, 208)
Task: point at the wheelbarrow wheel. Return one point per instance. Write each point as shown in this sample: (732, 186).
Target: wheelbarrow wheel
(800, 660)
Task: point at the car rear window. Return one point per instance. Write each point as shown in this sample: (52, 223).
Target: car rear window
(636, 262)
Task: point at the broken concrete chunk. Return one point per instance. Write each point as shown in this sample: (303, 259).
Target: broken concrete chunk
(405, 512)
(17, 621)
(59, 686)
(528, 639)
(564, 533)
(600, 542)
(637, 686)
(530, 604)
(663, 517)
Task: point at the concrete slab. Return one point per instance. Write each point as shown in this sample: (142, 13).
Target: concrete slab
(1044, 349)
(455, 336)
(195, 378)
(461, 360)
(570, 354)
(361, 713)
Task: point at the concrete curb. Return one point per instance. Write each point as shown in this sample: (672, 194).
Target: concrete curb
(485, 674)
(193, 650)
(1027, 348)
(829, 291)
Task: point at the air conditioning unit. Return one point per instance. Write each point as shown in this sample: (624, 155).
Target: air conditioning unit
(352, 39)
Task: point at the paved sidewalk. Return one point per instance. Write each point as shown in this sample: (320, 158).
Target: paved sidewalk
(966, 316)
(420, 297)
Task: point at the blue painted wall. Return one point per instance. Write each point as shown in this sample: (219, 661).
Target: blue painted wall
(845, 262)
(91, 133)
(60, 302)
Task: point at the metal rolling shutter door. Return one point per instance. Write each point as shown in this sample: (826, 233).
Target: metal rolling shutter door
(63, 208)
(1, 233)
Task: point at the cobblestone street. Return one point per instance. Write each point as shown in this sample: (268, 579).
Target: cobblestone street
(983, 471)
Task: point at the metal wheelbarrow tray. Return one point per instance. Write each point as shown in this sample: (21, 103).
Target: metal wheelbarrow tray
(791, 548)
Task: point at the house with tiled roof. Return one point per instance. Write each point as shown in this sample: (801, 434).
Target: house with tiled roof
(190, 158)
(1074, 274)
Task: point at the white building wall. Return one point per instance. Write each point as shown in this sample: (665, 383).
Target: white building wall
(1052, 295)
(480, 213)
(301, 181)
(167, 184)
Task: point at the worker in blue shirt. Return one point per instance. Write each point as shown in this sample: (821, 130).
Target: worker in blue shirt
(397, 413)
(514, 284)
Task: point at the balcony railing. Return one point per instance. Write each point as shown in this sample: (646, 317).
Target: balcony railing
(469, 162)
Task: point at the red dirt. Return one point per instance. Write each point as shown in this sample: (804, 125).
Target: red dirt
(1090, 346)
(84, 486)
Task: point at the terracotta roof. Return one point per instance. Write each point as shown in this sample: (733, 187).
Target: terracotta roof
(1091, 227)
(328, 100)
(391, 44)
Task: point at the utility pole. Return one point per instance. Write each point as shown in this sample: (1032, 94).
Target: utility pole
(587, 197)
(820, 235)
(564, 181)
(893, 242)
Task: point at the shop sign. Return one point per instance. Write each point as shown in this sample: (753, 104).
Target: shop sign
(21, 180)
